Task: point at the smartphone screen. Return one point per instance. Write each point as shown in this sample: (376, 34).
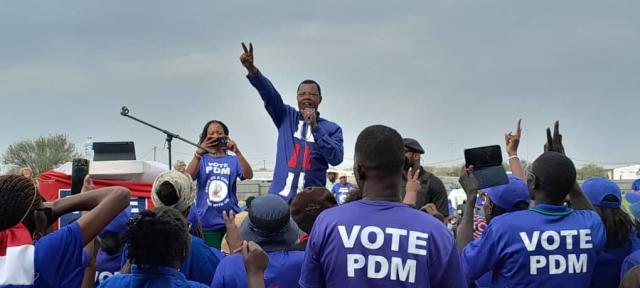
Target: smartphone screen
(79, 170)
(483, 156)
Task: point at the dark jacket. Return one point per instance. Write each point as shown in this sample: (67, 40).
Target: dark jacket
(432, 190)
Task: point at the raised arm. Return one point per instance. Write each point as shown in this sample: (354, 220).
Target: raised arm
(412, 187)
(330, 144)
(511, 143)
(465, 228)
(272, 99)
(102, 205)
(579, 201)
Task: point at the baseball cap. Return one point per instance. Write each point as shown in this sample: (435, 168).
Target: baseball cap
(632, 197)
(118, 225)
(508, 195)
(597, 188)
(635, 186)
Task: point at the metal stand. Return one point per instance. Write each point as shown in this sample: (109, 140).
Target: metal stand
(170, 135)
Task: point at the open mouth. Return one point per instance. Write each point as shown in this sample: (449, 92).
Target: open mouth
(307, 104)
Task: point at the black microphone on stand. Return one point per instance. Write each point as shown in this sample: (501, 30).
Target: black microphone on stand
(125, 111)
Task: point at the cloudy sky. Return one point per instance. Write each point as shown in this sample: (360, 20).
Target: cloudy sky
(452, 74)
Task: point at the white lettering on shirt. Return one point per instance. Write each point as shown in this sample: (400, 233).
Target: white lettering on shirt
(373, 262)
(395, 237)
(415, 241)
(550, 240)
(379, 237)
(348, 240)
(354, 261)
(545, 240)
(406, 273)
(585, 235)
(530, 244)
(377, 266)
(577, 265)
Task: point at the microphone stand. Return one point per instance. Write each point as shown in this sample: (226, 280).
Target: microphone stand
(170, 135)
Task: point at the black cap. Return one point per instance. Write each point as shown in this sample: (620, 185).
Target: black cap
(411, 145)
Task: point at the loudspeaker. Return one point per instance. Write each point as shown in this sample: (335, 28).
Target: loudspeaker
(112, 151)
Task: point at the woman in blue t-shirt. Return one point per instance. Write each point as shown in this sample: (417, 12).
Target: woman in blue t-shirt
(56, 259)
(216, 173)
(606, 198)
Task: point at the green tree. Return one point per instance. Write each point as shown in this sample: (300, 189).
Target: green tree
(591, 170)
(41, 154)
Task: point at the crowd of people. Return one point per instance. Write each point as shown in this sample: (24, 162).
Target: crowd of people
(394, 227)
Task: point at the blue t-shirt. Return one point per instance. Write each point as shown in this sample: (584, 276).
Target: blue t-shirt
(608, 265)
(283, 270)
(201, 263)
(631, 261)
(217, 176)
(380, 244)
(107, 265)
(340, 191)
(150, 277)
(545, 246)
(59, 258)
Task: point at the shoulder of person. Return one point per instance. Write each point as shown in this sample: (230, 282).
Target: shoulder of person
(197, 242)
(589, 215)
(506, 221)
(232, 261)
(327, 124)
(433, 179)
(294, 254)
(115, 281)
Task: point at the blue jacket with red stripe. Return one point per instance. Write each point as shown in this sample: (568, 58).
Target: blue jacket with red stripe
(303, 153)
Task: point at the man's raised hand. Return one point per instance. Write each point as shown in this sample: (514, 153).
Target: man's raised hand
(513, 140)
(247, 59)
(554, 143)
(468, 181)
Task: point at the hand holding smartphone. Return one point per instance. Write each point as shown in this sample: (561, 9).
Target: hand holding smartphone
(487, 165)
(79, 170)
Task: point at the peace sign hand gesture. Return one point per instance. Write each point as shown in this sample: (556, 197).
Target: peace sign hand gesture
(554, 143)
(247, 59)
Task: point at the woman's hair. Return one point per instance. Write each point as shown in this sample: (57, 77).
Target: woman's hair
(617, 223)
(18, 198)
(158, 238)
(203, 134)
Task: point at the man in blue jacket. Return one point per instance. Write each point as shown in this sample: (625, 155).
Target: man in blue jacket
(307, 143)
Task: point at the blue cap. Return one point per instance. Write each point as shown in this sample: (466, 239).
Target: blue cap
(632, 197)
(597, 188)
(508, 195)
(635, 186)
(635, 210)
(118, 225)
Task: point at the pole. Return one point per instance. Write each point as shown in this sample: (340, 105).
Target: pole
(170, 135)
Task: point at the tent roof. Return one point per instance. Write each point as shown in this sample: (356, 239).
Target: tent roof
(126, 170)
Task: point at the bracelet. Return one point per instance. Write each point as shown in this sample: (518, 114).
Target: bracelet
(197, 155)
(513, 157)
